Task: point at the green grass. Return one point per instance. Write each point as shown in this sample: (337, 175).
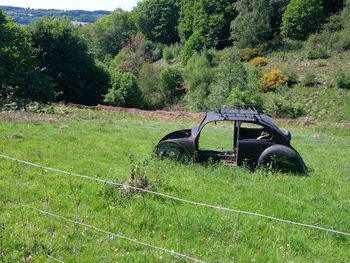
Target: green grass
(99, 144)
(324, 101)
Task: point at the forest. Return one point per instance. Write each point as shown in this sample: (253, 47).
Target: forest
(26, 16)
(179, 54)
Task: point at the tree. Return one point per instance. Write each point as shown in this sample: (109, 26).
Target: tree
(302, 18)
(19, 76)
(252, 25)
(210, 18)
(171, 84)
(64, 56)
(194, 44)
(158, 19)
(109, 34)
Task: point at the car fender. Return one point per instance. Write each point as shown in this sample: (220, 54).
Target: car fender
(169, 144)
(281, 150)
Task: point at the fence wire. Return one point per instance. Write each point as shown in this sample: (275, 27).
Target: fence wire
(290, 222)
(172, 252)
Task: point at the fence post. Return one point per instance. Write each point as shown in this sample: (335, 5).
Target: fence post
(76, 248)
(2, 246)
(286, 245)
(238, 226)
(19, 200)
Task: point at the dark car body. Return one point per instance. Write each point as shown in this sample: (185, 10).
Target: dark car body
(251, 146)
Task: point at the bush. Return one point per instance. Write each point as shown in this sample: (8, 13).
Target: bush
(343, 40)
(271, 80)
(292, 76)
(309, 80)
(259, 62)
(199, 76)
(124, 91)
(194, 44)
(171, 52)
(171, 84)
(316, 47)
(282, 108)
(149, 83)
(248, 54)
(342, 80)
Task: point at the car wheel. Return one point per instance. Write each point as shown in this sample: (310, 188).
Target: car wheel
(172, 151)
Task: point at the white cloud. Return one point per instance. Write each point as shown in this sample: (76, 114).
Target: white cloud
(73, 4)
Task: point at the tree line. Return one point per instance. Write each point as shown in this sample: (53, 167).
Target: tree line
(160, 53)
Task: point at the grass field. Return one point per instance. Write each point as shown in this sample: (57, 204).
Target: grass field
(100, 144)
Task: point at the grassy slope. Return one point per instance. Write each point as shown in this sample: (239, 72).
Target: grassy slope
(324, 101)
(98, 144)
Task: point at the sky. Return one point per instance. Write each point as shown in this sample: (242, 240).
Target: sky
(73, 4)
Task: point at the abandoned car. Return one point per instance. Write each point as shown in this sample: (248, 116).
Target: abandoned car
(255, 141)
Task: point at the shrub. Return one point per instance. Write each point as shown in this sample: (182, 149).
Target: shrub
(171, 84)
(167, 54)
(342, 80)
(282, 108)
(318, 52)
(309, 79)
(171, 52)
(248, 54)
(316, 47)
(292, 76)
(149, 83)
(343, 40)
(124, 91)
(271, 80)
(194, 44)
(259, 62)
(199, 76)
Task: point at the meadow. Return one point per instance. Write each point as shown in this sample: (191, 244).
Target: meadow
(118, 146)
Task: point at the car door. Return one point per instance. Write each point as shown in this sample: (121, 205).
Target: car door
(252, 140)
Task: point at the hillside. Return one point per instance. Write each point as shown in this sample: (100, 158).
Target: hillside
(26, 16)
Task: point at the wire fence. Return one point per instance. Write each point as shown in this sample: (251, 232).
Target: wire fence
(78, 223)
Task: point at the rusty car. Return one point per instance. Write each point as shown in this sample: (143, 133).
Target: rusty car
(256, 142)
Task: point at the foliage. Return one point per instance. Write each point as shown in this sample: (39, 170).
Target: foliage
(19, 77)
(282, 108)
(248, 54)
(252, 25)
(309, 79)
(149, 83)
(26, 16)
(171, 52)
(271, 80)
(315, 49)
(135, 54)
(292, 76)
(342, 80)
(209, 18)
(158, 20)
(63, 54)
(109, 34)
(171, 84)
(259, 62)
(302, 17)
(124, 91)
(194, 44)
(199, 75)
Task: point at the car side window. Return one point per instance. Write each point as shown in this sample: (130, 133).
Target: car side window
(253, 131)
